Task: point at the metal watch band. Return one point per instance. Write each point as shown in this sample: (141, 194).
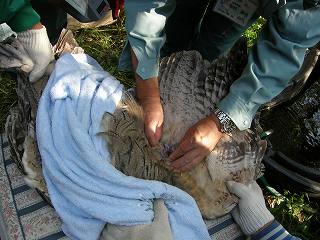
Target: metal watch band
(227, 125)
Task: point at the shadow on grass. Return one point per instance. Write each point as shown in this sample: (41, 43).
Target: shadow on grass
(105, 45)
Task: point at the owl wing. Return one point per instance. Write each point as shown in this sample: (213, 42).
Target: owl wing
(190, 86)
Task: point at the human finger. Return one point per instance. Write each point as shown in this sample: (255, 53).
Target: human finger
(237, 188)
(153, 130)
(150, 134)
(184, 146)
(11, 56)
(186, 159)
(254, 187)
(194, 162)
(160, 210)
(235, 212)
(158, 132)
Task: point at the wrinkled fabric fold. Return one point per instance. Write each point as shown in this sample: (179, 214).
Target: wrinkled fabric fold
(85, 189)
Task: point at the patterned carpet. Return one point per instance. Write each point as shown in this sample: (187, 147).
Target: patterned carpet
(24, 215)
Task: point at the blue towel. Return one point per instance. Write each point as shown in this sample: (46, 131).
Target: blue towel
(85, 189)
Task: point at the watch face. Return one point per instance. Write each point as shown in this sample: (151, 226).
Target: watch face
(226, 129)
(223, 129)
(227, 125)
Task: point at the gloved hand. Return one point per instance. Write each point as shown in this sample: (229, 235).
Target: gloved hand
(159, 229)
(116, 6)
(13, 55)
(37, 45)
(251, 214)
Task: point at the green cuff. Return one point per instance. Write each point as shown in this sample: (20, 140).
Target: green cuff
(147, 67)
(24, 19)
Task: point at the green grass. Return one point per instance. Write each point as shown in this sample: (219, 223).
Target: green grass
(105, 45)
(297, 213)
(252, 33)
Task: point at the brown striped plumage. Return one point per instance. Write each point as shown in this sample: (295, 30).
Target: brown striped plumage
(189, 86)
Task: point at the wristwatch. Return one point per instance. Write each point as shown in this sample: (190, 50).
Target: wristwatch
(227, 125)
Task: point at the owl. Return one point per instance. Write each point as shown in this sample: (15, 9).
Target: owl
(189, 88)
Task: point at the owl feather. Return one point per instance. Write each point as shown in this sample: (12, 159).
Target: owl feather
(189, 88)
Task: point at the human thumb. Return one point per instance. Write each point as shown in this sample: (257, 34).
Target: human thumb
(236, 214)
(160, 211)
(237, 188)
(153, 131)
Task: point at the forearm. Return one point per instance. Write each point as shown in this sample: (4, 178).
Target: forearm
(148, 88)
(274, 60)
(145, 22)
(149, 98)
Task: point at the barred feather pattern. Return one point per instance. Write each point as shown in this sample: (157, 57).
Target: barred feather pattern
(129, 148)
(20, 124)
(189, 86)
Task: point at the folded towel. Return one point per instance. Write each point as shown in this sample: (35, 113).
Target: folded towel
(85, 189)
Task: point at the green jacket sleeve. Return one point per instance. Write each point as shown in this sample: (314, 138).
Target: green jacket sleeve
(145, 21)
(274, 60)
(18, 14)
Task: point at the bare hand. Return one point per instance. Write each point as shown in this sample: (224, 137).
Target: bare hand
(149, 97)
(153, 119)
(196, 144)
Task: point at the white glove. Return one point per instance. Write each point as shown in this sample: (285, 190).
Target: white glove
(159, 229)
(13, 55)
(251, 214)
(37, 44)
